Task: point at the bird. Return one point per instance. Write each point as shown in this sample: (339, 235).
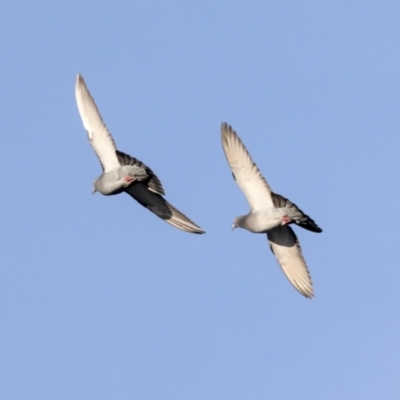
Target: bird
(270, 213)
(121, 172)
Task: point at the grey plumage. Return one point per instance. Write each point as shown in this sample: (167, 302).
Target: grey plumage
(299, 217)
(270, 213)
(121, 172)
(151, 180)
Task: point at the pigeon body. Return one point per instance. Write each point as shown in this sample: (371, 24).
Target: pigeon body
(270, 213)
(117, 180)
(260, 221)
(121, 172)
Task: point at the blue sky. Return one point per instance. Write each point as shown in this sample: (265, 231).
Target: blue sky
(100, 299)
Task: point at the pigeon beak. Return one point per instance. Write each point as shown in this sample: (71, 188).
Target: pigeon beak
(233, 227)
(94, 190)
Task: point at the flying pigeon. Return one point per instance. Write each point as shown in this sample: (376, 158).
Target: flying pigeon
(121, 172)
(270, 213)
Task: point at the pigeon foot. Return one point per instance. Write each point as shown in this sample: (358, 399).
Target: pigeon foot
(129, 179)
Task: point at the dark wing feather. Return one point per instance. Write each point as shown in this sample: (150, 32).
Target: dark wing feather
(298, 216)
(159, 206)
(152, 182)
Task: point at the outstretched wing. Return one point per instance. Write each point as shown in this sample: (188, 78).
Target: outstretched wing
(159, 206)
(286, 248)
(101, 140)
(244, 170)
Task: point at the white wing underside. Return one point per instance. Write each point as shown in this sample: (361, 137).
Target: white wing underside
(286, 248)
(245, 171)
(101, 140)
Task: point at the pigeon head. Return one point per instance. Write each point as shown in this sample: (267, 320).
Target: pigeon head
(237, 222)
(94, 188)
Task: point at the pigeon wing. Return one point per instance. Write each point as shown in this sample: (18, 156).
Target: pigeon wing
(244, 170)
(160, 207)
(101, 140)
(286, 248)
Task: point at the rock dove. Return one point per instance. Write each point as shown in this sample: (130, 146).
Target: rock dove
(270, 213)
(121, 172)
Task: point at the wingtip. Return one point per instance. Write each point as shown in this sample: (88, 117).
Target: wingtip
(197, 229)
(308, 295)
(227, 132)
(225, 127)
(193, 228)
(79, 82)
(314, 228)
(181, 221)
(307, 292)
(189, 229)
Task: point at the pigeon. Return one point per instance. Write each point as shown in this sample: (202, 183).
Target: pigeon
(121, 172)
(270, 213)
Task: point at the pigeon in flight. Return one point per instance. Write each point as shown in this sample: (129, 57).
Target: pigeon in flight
(270, 213)
(121, 172)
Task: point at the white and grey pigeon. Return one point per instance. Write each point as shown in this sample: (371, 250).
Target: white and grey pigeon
(269, 213)
(121, 172)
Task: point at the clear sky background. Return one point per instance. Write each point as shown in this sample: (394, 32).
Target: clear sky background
(100, 299)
